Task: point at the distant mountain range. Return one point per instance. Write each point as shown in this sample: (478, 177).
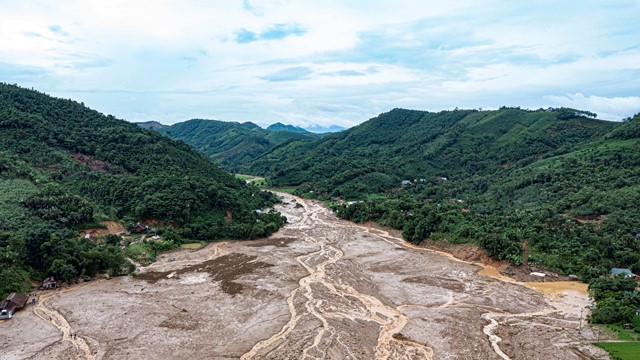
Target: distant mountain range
(235, 145)
(230, 144)
(325, 129)
(290, 128)
(316, 129)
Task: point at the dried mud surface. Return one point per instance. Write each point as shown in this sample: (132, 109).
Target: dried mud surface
(320, 288)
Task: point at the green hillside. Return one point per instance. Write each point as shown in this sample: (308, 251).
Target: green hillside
(407, 144)
(64, 167)
(231, 144)
(557, 178)
(290, 128)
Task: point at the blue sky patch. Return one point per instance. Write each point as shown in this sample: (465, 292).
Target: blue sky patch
(275, 32)
(289, 74)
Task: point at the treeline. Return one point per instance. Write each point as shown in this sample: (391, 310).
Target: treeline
(616, 300)
(554, 241)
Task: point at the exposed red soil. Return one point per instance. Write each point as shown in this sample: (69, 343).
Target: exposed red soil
(111, 227)
(94, 164)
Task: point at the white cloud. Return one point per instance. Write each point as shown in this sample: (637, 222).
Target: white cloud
(607, 108)
(336, 61)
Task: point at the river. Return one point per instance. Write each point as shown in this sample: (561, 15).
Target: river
(320, 288)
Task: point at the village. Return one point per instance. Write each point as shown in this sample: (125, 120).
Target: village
(137, 233)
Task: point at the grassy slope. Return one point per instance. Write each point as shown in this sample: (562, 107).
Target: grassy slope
(622, 350)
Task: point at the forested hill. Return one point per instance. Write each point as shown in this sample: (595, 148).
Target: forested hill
(558, 178)
(408, 144)
(231, 144)
(290, 128)
(64, 166)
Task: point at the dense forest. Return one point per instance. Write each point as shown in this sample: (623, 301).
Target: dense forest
(557, 182)
(233, 145)
(64, 167)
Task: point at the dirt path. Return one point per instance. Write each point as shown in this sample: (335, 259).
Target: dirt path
(253, 179)
(320, 288)
(164, 262)
(47, 313)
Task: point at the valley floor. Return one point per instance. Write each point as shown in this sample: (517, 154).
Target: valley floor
(321, 288)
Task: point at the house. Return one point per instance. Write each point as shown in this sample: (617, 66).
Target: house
(406, 182)
(11, 304)
(621, 271)
(464, 210)
(138, 229)
(50, 283)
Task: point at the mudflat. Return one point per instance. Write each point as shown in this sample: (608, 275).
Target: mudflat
(320, 288)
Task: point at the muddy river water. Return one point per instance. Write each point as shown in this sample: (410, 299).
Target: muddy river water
(321, 288)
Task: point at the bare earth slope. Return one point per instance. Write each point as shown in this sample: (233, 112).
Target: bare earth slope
(321, 288)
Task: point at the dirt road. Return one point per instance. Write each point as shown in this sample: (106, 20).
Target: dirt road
(320, 288)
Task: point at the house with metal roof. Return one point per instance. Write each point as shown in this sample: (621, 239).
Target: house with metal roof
(621, 271)
(11, 304)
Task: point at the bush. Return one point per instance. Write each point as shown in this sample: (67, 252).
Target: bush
(612, 311)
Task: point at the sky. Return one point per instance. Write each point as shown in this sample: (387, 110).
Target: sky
(323, 62)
